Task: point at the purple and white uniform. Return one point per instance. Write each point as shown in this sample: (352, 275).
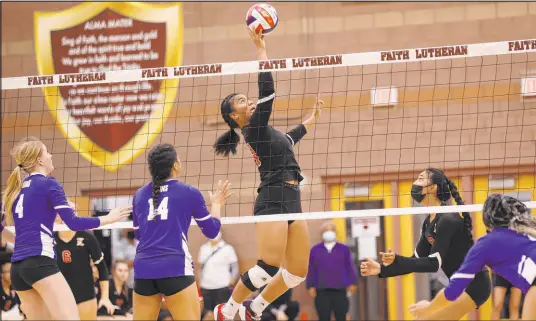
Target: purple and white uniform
(34, 212)
(508, 253)
(162, 251)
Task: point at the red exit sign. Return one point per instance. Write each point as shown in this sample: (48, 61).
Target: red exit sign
(528, 86)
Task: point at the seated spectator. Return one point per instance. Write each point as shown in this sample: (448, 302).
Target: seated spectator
(125, 249)
(9, 301)
(119, 291)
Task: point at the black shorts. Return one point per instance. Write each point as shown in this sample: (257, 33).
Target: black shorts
(278, 199)
(28, 271)
(480, 288)
(165, 286)
(83, 294)
(502, 282)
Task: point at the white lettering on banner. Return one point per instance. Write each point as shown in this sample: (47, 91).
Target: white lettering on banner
(126, 48)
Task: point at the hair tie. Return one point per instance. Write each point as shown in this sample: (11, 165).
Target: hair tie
(20, 165)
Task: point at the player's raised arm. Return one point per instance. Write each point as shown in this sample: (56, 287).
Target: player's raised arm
(209, 222)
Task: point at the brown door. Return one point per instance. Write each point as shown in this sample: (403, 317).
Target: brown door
(370, 301)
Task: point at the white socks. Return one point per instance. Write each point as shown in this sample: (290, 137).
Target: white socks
(230, 308)
(259, 304)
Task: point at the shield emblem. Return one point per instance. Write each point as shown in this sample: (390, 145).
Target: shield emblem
(110, 124)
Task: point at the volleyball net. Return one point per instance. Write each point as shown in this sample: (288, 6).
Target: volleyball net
(469, 110)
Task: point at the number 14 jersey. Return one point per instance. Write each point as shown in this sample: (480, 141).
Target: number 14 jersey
(162, 251)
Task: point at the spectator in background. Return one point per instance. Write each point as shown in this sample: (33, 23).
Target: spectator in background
(9, 301)
(332, 275)
(125, 250)
(119, 291)
(219, 271)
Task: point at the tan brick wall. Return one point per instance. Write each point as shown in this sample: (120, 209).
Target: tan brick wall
(459, 113)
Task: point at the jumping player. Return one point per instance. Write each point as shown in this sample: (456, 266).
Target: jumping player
(278, 193)
(74, 251)
(31, 204)
(162, 213)
(444, 242)
(509, 249)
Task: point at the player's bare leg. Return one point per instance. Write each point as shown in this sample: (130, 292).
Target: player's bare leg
(88, 309)
(529, 307)
(146, 307)
(499, 293)
(58, 297)
(33, 305)
(515, 303)
(292, 274)
(184, 305)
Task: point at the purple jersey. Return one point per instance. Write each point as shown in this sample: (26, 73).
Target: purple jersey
(34, 212)
(163, 248)
(508, 253)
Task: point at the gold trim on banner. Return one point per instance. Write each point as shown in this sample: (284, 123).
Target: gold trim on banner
(44, 23)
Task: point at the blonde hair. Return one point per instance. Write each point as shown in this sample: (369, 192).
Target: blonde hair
(26, 154)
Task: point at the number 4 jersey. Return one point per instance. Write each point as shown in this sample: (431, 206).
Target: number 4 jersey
(508, 253)
(162, 251)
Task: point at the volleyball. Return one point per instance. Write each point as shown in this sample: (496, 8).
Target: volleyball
(262, 17)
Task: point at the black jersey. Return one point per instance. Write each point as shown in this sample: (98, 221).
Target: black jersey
(8, 300)
(119, 298)
(74, 260)
(272, 150)
(443, 244)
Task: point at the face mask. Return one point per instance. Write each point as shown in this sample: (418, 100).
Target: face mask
(329, 236)
(416, 193)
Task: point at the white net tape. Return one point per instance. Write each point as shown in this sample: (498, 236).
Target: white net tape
(324, 215)
(288, 64)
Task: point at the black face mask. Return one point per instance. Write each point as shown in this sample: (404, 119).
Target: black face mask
(416, 193)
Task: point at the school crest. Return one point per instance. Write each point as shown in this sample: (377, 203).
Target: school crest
(80, 241)
(110, 124)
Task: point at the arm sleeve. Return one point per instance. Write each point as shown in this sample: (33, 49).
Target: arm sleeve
(97, 256)
(262, 113)
(135, 223)
(59, 202)
(474, 262)
(296, 134)
(209, 225)
(446, 228)
(311, 281)
(350, 267)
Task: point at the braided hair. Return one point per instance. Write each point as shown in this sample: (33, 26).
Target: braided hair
(161, 160)
(227, 142)
(447, 189)
(508, 212)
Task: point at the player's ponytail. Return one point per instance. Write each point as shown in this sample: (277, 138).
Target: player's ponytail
(26, 154)
(467, 221)
(227, 142)
(161, 160)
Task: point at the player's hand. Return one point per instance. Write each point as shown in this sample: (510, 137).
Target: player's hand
(221, 194)
(317, 108)
(369, 267)
(388, 257)
(352, 289)
(312, 292)
(418, 310)
(105, 302)
(258, 38)
(116, 214)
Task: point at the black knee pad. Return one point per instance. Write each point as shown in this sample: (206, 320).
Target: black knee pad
(259, 275)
